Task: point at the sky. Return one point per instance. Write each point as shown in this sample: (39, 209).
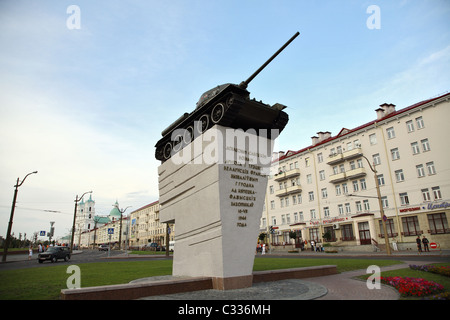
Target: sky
(85, 91)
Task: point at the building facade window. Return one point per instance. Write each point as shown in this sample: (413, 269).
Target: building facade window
(380, 178)
(390, 133)
(420, 170)
(410, 126)
(411, 226)
(395, 154)
(430, 167)
(390, 228)
(438, 223)
(437, 193)
(399, 175)
(404, 200)
(347, 232)
(425, 145)
(415, 148)
(426, 195)
(419, 122)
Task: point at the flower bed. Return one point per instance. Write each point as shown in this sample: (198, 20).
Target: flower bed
(445, 271)
(415, 287)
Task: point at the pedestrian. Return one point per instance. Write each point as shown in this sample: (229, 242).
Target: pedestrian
(30, 252)
(263, 249)
(419, 244)
(425, 244)
(312, 245)
(40, 248)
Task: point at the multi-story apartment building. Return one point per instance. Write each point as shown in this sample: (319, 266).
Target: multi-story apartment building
(145, 226)
(327, 191)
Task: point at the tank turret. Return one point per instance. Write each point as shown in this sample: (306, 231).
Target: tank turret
(228, 105)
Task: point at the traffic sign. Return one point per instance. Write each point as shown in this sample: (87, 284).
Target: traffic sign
(110, 230)
(433, 245)
(42, 233)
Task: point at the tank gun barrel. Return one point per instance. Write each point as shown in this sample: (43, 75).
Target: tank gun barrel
(245, 83)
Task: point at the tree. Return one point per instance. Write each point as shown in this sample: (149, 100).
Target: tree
(262, 236)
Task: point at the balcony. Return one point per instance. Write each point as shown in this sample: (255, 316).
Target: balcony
(338, 177)
(287, 174)
(356, 173)
(350, 154)
(334, 158)
(287, 191)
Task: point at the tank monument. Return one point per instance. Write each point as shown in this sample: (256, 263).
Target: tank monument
(213, 178)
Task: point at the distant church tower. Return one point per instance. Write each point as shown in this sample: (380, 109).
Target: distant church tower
(85, 215)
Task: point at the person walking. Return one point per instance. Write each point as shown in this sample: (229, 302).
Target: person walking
(263, 249)
(419, 244)
(425, 244)
(30, 252)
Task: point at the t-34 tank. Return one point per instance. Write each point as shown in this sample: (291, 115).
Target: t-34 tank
(228, 105)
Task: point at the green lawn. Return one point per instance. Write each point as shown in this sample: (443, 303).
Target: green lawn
(46, 283)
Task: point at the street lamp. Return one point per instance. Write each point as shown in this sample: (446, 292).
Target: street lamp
(120, 232)
(8, 234)
(380, 203)
(75, 217)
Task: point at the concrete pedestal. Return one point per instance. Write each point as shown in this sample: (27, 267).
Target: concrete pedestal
(213, 190)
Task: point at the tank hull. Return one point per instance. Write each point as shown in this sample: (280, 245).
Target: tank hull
(232, 108)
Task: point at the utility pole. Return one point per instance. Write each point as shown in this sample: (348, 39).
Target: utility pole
(120, 232)
(8, 234)
(74, 219)
(380, 203)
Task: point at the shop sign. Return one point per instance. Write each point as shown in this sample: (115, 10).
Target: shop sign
(326, 221)
(442, 205)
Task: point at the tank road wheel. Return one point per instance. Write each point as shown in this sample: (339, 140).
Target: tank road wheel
(188, 135)
(203, 123)
(177, 143)
(167, 150)
(230, 100)
(217, 112)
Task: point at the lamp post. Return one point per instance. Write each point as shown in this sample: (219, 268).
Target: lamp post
(120, 232)
(380, 203)
(74, 218)
(8, 234)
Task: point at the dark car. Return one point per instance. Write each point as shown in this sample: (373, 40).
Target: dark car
(54, 254)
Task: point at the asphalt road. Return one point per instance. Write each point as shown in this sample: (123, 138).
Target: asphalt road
(85, 256)
(88, 256)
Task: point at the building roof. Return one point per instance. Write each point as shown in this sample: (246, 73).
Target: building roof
(115, 212)
(345, 131)
(146, 206)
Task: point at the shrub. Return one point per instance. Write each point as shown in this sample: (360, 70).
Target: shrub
(445, 271)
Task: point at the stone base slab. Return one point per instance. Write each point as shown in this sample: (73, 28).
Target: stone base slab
(149, 288)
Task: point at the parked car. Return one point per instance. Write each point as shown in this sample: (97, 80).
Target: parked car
(54, 254)
(103, 247)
